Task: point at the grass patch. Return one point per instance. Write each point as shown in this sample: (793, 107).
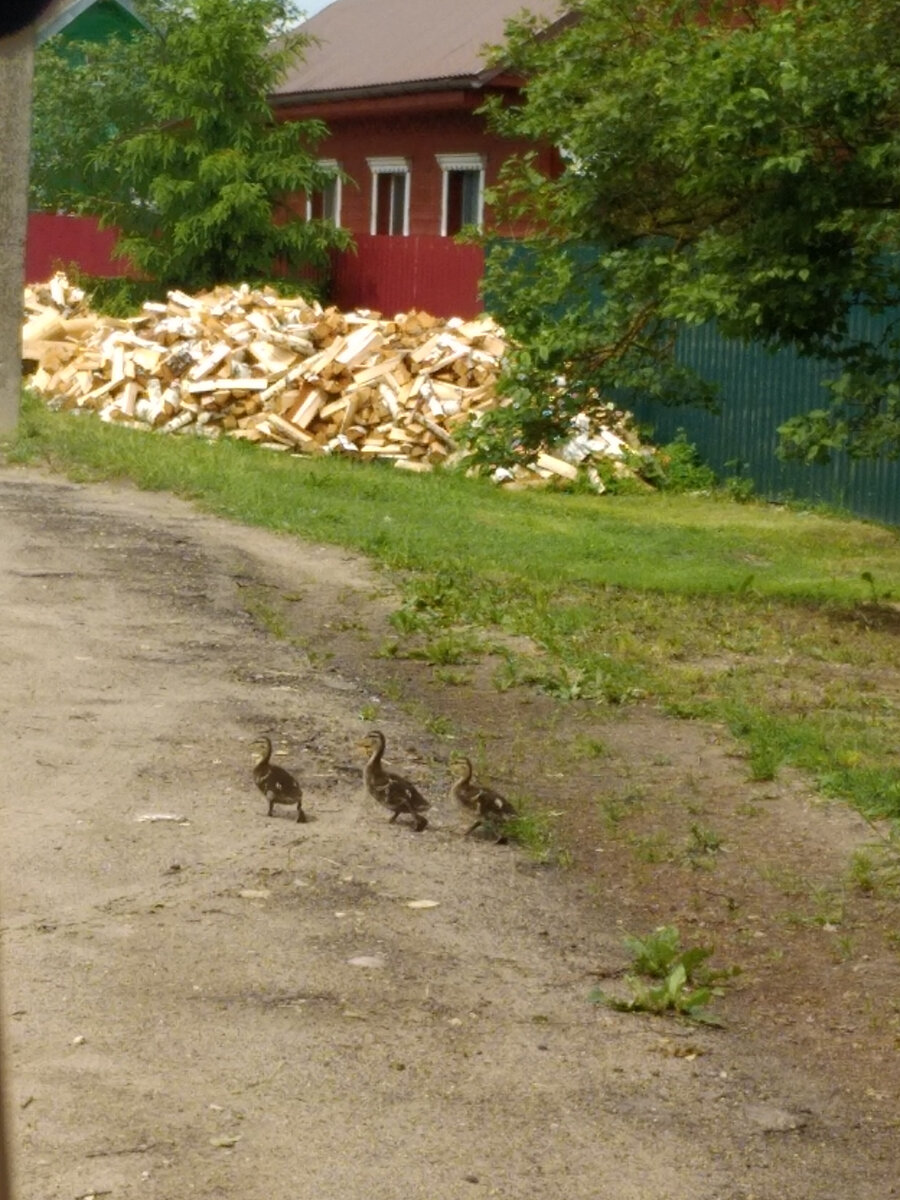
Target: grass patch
(780, 624)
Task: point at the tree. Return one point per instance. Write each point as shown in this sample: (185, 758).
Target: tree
(16, 61)
(727, 162)
(179, 146)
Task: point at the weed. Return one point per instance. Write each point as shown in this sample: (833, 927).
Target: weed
(875, 596)
(257, 605)
(843, 948)
(589, 747)
(705, 841)
(452, 678)
(652, 847)
(827, 909)
(681, 468)
(613, 811)
(407, 621)
(440, 726)
(863, 874)
(739, 487)
(684, 984)
(875, 871)
(533, 830)
(449, 649)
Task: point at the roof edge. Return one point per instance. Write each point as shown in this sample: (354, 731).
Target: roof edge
(60, 19)
(450, 83)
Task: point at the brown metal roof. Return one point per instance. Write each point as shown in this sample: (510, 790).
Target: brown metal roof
(367, 46)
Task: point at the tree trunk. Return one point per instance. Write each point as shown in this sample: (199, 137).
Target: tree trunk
(16, 65)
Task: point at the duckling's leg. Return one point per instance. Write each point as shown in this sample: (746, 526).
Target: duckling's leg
(271, 806)
(472, 828)
(394, 817)
(420, 822)
(301, 815)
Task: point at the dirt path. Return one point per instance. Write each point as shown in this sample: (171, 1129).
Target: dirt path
(223, 1005)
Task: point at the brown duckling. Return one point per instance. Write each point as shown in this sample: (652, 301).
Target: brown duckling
(276, 784)
(492, 808)
(393, 791)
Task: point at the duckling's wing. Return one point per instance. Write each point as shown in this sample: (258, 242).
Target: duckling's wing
(281, 785)
(402, 791)
(492, 804)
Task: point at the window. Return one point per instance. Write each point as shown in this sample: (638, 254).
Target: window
(390, 196)
(462, 194)
(325, 205)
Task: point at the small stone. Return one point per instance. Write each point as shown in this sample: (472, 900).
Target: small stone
(770, 1119)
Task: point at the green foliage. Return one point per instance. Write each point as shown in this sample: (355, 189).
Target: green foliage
(116, 296)
(181, 150)
(742, 169)
(660, 956)
(680, 468)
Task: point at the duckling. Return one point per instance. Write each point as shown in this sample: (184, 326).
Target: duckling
(276, 784)
(393, 791)
(492, 808)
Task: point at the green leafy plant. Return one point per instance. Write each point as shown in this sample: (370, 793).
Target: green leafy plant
(704, 840)
(685, 985)
(713, 170)
(682, 468)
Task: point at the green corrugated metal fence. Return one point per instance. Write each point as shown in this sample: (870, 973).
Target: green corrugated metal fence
(760, 391)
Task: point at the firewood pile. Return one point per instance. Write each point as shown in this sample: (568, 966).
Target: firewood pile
(284, 373)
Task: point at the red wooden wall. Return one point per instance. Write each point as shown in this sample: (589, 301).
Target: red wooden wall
(395, 274)
(55, 241)
(417, 137)
(391, 274)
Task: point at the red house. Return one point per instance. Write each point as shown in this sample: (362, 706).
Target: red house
(399, 83)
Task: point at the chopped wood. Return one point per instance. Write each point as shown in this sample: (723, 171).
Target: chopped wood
(289, 375)
(210, 361)
(227, 385)
(556, 466)
(45, 327)
(308, 409)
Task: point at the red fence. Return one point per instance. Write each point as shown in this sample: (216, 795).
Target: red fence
(56, 241)
(394, 274)
(390, 274)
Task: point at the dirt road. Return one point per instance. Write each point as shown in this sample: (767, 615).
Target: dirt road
(202, 1001)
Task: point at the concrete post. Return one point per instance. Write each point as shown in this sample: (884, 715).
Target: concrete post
(16, 67)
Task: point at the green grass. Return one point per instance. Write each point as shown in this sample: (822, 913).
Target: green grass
(778, 623)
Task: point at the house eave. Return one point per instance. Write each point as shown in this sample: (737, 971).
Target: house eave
(378, 91)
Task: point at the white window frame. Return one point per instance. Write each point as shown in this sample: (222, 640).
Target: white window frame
(333, 167)
(460, 162)
(389, 165)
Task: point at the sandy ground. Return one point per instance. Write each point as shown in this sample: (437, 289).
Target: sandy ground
(202, 1001)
